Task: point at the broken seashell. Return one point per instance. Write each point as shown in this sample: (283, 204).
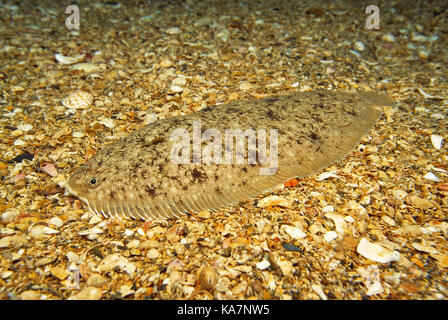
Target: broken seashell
(108, 122)
(437, 141)
(431, 176)
(326, 175)
(273, 201)
(49, 169)
(294, 233)
(330, 236)
(430, 96)
(88, 293)
(376, 252)
(207, 277)
(263, 265)
(78, 100)
(421, 203)
(25, 127)
(68, 60)
(87, 67)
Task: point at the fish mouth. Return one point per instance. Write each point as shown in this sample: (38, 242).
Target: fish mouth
(69, 190)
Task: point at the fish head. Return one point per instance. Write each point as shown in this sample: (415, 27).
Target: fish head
(87, 183)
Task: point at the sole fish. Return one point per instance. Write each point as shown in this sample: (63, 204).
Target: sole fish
(223, 154)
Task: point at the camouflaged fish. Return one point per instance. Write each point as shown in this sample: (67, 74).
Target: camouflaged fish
(189, 163)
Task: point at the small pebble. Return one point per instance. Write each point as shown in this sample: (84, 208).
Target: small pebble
(291, 247)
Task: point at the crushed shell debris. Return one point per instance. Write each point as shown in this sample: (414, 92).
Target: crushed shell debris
(372, 226)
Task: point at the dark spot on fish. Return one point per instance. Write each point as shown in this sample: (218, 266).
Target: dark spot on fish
(156, 140)
(244, 169)
(143, 173)
(199, 175)
(313, 136)
(150, 191)
(207, 109)
(271, 99)
(272, 115)
(233, 110)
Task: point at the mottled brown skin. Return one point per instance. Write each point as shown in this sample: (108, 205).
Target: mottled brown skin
(134, 177)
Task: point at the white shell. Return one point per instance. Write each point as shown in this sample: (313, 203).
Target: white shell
(25, 127)
(263, 264)
(431, 176)
(78, 100)
(294, 233)
(326, 175)
(375, 252)
(68, 60)
(437, 141)
(429, 96)
(87, 67)
(330, 236)
(359, 46)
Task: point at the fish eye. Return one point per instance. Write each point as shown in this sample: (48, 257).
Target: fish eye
(92, 182)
